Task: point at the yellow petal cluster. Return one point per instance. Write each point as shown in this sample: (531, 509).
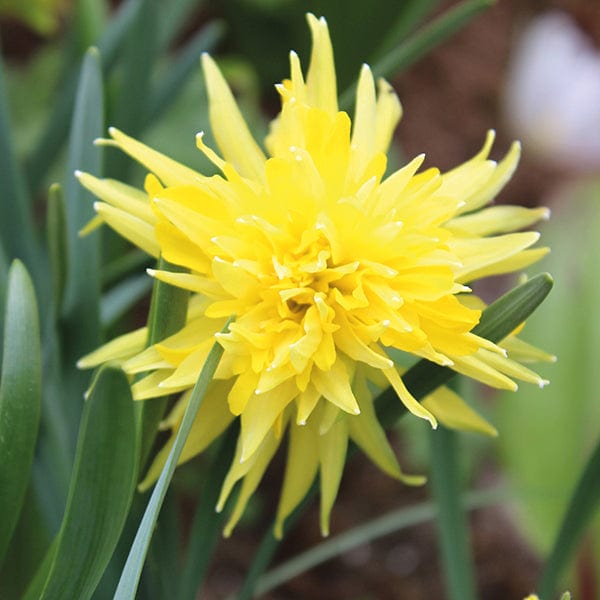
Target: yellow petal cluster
(328, 264)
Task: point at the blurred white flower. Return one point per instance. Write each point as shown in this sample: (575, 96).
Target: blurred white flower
(552, 99)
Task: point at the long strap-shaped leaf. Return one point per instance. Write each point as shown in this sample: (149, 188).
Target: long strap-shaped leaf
(20, 397)
(582, 507)
(135, 561)
(422, 42)
(102, 485)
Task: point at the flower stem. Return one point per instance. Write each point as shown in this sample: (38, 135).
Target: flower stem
(452, 523)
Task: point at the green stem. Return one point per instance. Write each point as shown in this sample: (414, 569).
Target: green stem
(452, 523)
(581, 509)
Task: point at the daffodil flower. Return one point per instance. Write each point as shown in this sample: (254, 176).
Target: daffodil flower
(328, 264)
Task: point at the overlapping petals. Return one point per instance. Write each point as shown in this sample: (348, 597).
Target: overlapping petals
(328, 264)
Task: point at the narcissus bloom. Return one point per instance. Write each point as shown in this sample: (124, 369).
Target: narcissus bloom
(328, 264)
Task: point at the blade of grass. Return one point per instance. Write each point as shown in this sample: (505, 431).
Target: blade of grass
(81, 306)
(173, 16)
(365, 533)
(56, 228)
(451, 519)
(55, 134)
(82, 291)
(16, 225)
(412, 13)
(207, 525)
(138, 60)
(20, 398)
(422, 42)
(186, 61)
(102, 485)
(268, 546)
(580, 511)
(132, 571)
(133, 261)
(122, 297)
(168, 310)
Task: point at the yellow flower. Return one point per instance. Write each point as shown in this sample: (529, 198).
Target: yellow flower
(328, 265)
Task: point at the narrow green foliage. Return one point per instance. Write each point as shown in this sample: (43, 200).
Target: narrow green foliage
(56, 228)
(168, 310)
(365, 533)
(185, 62)
(139, 57)
(82, 291)
(207, 525)
(451, 519)
(16, 225)
(580, 511)
(135, 561)
(422, 42)
(122, 297)
(412, 13)
(53, 137)
(20, 397)
(102, 485)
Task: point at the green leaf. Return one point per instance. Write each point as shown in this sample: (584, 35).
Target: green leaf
(422, 42)
(365, 533)
(580, 511)
(412, 13)
(20, 397)
(138, 59)
(135, 561)
(56, 227)
(452, 526)
(168, 310)
(497, 321)
(16, 225)
(122, 297)
(207, 525)
(179, 69)
(82, 291)
(101, 489)
(54, 135)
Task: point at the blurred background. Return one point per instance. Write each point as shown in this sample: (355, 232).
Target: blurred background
(530, 69)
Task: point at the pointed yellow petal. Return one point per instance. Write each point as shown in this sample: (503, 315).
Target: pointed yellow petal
(332, 457)
(407, 398)
(497, 219)
(228, 125)
(363, 133)
(452, 411)
(119, 349)
(389, 112)
(366, 431)
(251, 480)
(119, 195)
(334, 385)
(260, 414)
(300, 470)
(138, 232)
(169, 171)
(321, 83)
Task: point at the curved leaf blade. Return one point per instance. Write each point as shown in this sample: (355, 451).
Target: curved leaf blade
(102, 486)
(20, 397)
(137, 555)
